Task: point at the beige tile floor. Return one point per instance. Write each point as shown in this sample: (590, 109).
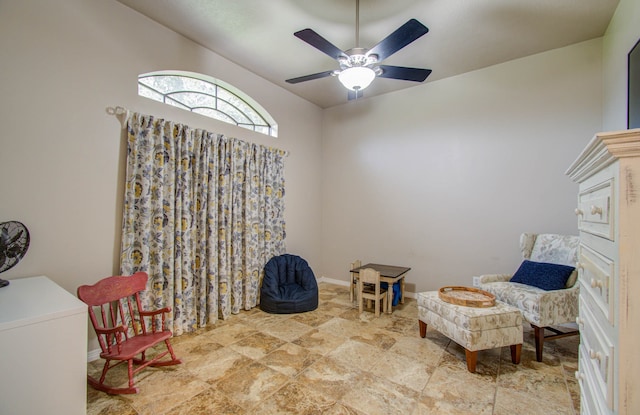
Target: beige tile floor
(335, 361)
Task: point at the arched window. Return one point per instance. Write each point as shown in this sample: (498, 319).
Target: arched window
(207, 96)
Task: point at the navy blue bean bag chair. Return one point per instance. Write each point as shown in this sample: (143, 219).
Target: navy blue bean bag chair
(289, 286)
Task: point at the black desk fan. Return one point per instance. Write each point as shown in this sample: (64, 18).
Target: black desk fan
(14, 242)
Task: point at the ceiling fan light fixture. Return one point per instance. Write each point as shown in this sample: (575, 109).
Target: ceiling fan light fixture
(356, 78)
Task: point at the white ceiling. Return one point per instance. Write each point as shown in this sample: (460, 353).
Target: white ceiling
(464, 35)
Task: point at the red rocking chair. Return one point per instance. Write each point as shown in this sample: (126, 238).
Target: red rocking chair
(124, 329)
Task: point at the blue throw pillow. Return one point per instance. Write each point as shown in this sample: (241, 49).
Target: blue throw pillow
(543, 275)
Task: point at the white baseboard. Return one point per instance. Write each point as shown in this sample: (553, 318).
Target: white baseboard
(93, 355)
(334, 281)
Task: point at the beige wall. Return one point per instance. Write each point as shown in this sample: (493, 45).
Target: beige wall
(442, 177)
(622, 34)
(61, 156)
(445, 176)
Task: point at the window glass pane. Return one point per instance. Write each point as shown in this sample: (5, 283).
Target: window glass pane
(144, 91)
(192, 84)
(225, 95)
(173, 103)
(194, 99)
(233, 112)
(241, 105)
(220, 116)
(164, 84)
(255, 117)
(208, 97)
(263, 130)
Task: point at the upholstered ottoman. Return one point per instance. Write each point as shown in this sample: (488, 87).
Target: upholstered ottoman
(473, 328)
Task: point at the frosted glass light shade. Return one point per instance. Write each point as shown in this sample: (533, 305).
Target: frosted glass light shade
(356, 78)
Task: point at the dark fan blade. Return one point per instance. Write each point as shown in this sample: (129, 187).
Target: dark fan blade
(309, 77)
(320, 43)
(351, 95)
(406, 74)
(404, 35)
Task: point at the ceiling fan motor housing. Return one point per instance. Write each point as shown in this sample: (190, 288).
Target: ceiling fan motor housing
(358, 57)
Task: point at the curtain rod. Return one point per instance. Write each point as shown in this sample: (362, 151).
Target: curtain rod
(123, 115)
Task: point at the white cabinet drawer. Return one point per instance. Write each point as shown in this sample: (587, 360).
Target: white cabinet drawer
(596, 273)
(596, 354)
(590, 401)
(595, 209)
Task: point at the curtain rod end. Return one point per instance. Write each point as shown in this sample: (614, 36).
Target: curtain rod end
(119, 112)
(116, 111)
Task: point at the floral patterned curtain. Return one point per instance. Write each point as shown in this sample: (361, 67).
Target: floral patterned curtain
(202, 215)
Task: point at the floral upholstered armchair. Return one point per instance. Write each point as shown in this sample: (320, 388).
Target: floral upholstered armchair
(545, 286)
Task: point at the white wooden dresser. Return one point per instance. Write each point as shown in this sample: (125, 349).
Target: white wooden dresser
(608, 173)
(43, 349)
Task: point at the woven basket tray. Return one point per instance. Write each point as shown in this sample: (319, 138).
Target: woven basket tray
(467, 296)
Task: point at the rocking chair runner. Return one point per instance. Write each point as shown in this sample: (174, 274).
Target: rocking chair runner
(123, 328)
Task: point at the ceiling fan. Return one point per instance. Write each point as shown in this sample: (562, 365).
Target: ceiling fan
(359, 66)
